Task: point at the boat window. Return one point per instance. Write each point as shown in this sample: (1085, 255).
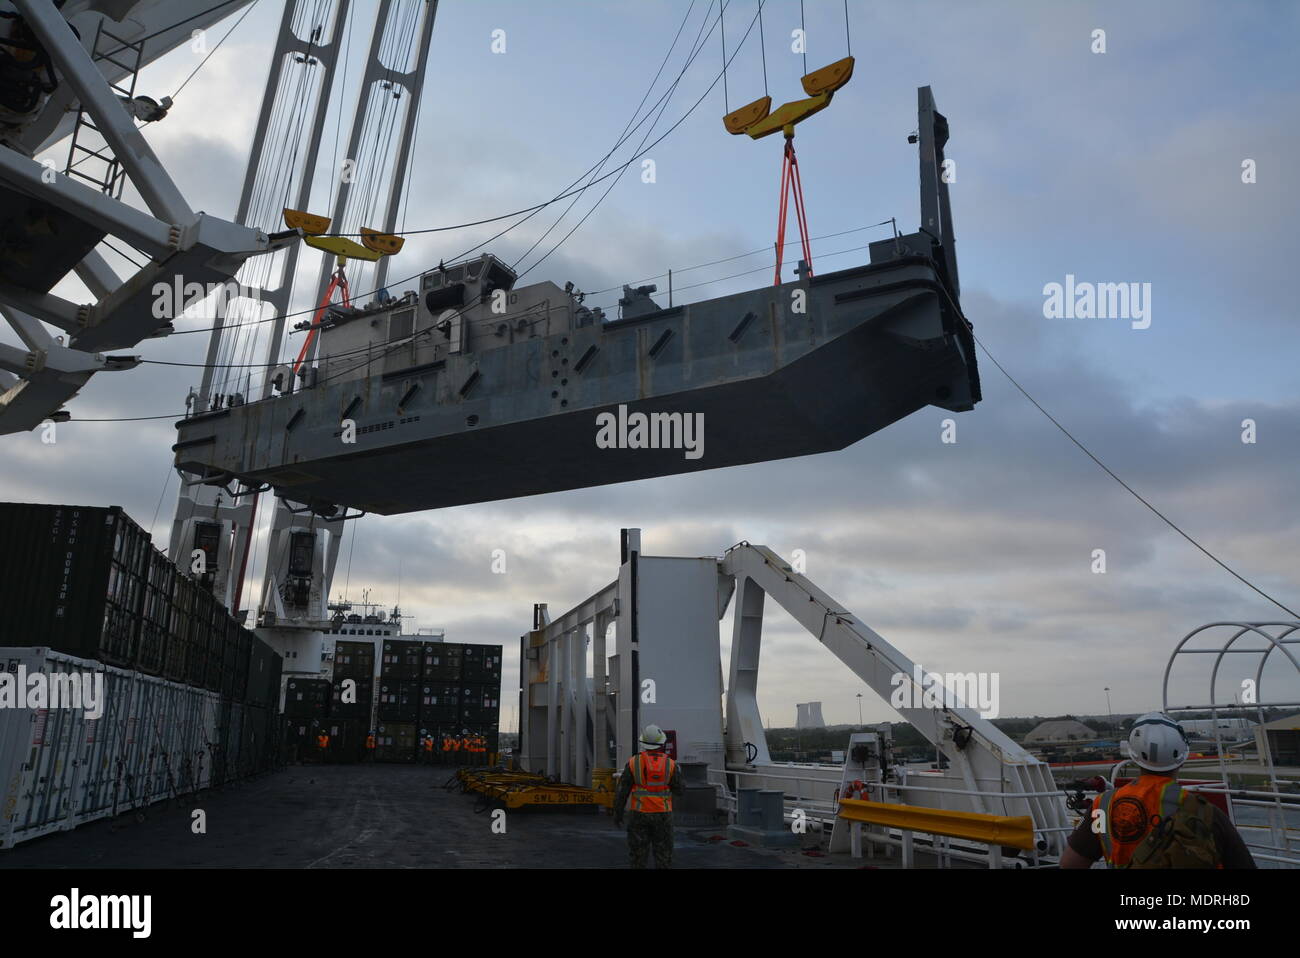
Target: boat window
(472, 271)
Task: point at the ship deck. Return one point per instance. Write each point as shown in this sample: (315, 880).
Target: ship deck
(379, 816)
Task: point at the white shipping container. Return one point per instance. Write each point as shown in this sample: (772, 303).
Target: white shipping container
(58, 768)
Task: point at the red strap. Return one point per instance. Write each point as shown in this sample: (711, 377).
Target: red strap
(791, 183)
(337, 281)
(800, 209)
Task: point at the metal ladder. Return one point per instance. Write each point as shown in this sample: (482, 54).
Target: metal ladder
(109, 175)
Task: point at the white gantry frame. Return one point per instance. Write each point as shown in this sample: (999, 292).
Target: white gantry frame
(993, 774)
(179, 242)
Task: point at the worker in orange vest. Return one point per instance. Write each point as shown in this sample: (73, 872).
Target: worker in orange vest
(650, 780)
(322, 744)
(1152, 822)
(428, 748)
(370, 746)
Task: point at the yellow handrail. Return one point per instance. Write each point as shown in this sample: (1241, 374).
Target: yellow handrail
(1013, 831)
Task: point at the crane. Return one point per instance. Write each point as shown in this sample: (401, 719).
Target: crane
(213, 529)
(71, 70)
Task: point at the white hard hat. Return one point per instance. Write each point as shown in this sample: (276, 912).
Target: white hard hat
(653, 737)
(1157, 743)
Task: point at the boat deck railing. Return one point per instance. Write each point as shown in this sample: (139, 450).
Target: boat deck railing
(826, 813)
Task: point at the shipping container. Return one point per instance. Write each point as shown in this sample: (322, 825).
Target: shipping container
(229, 658)
(480, 703)
(354, 659)
(481, 664)
(346, 737)
(141, 740)
(243, 662)
(299, 737)
(156, 614)
(200, 633)
(395, 742)
(439, 703)
(400, 661)
(306, 698)
(74, 580)
(352, 697)
(398, 701)
(441, 661)
(176, 653)
(263, 675)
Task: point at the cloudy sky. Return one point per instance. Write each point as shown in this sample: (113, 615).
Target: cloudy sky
(1122, 166)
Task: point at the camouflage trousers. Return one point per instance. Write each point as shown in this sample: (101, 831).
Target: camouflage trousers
(647, 831)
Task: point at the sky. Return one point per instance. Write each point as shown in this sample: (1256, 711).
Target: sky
(1123, 166)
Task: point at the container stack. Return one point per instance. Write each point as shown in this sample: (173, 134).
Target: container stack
(426, 702)
(190, 696)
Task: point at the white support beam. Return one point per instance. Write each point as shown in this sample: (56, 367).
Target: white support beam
(98, 276)
(157, 239)
(28, 328)
(113, 122)
(47, 307)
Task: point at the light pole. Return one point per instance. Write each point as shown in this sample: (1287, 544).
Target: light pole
(1109, 712)
(859, 708)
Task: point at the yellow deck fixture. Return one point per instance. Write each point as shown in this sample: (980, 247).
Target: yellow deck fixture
(386, 243)
(309, 223)
(516, 789)
(737, 121)
(342, 247)
(829, 78)
(1013, 831)
(787, 115)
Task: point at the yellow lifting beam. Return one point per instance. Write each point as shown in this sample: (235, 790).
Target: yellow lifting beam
(758, 119)
(1013, 831)
(372, 247)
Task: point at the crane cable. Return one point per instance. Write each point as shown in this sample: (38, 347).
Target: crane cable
(699, 45)
(622, 136)
(527, 210)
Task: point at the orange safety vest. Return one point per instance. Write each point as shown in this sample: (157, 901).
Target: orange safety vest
(652, 775)
(1132, 811)
(428, 744)
(370, 741)
(476, 744)
(322, 741)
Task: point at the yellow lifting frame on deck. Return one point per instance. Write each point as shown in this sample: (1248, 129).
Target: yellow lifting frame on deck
(516, 789)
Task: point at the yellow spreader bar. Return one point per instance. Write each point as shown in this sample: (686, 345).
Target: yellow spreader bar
(758, 119)
(373, 245)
